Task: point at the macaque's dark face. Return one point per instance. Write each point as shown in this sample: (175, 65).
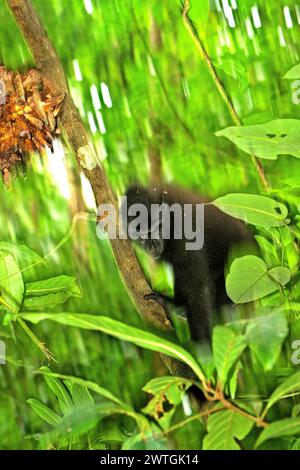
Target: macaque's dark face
(146, 232)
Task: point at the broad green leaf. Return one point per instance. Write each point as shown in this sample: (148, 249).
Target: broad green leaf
(63, 396)
(227, 348)
(162, 384)
(280, 274)
(278, 137)
(284, 427)
(293, 73)
(79, 421)
(168, 393)
(250, 279)
(290, 385)
(223, 427)
(122, 331)
(84, 383)
(44, 412)
(11, 282)
(254, 209)
(46, 301)
(265, 336)
(52, 285)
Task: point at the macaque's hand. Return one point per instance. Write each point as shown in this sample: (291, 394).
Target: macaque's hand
(159, 298)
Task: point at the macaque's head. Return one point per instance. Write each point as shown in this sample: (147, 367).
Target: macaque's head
(143, 216)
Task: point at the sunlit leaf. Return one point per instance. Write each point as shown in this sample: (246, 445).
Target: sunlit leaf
(122, 331)
(250, 279)
(278, 137)
(254, 209)
(223, 427)
(47, 286)
(166, 391)
(290, 385)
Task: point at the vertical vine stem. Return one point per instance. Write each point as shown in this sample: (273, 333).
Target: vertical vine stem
(220, 87)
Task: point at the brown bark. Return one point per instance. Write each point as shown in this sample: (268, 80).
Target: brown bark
(49, 65)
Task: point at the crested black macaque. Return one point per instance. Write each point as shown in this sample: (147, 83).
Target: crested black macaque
(198, 273)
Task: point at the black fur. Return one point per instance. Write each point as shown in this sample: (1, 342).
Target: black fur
(199, 275)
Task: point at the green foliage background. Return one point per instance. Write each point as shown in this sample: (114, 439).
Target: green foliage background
(163, 98)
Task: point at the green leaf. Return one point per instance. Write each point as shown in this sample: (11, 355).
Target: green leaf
(52, 285)
(223, 427)
(46, 301)
(293, 73)
(290, 385)
(227, 348)
(265, 336)
(295, 445)
(63, 396)
(84, 383)
(80, 395)
(278, 137)
(250, 279)
(122, 331)
(79, 421)
(11, 282)
(166, 390)
(280, 274)
(284, 427)
(44, 412)
(254, 209)
(296, 410)
(233, 381)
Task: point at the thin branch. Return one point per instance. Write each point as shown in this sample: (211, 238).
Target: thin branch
(190, 419)
(217, 395)
(210, 66)
(48, 354)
